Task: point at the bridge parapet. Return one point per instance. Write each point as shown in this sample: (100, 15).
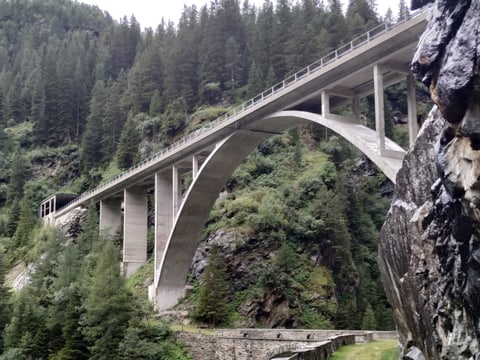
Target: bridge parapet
(303, 334)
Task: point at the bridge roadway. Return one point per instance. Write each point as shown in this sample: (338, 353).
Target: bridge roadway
(362, 67)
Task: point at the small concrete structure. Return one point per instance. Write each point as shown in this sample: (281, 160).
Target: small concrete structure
(363, 67)
(49, 206)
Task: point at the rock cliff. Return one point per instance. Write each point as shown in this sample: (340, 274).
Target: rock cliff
(430, 243)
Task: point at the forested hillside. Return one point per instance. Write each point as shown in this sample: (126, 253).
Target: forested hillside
(83, 96)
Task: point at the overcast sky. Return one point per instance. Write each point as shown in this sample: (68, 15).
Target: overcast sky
(149, 12)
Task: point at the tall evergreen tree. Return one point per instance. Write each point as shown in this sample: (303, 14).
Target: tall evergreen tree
(26, 223)
(115, 117)
(17, 177)
(91, 154)
(280, 36)
(403, 11)
(5, 305)
(211, 304)
(127, 152)
(108, 306)
(255, 80)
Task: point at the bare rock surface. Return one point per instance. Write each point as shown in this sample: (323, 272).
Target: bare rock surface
(430, 243)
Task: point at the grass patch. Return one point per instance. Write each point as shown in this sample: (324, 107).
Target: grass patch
(207, 114)
(136, 282)
(192, 329)
(20, 130)
(390, 354)
(375, 350)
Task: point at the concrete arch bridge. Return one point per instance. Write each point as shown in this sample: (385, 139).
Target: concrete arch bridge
(362, 67)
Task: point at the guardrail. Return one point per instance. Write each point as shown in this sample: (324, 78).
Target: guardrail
(256, 100)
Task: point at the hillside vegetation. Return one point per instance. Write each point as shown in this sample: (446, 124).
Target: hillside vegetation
(293, 237)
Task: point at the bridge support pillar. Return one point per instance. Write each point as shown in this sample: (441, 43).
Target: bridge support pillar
(412, 109)
(163, 222)
(325, 104)
(379, 107)
(110, 216)
(194, 166)
(176, 183)
(134, 229)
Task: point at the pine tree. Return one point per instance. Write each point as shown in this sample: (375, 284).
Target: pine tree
(13, 217)
(26, 223)
(211, 304)
(403, 11)
(155, 104)
(108, 306)
(75, 344)
(174, 118)
(18, 175)
(271, 79)
(128, 144)
(388, 18)
(115, 117)
(91, 153)
(232, 62)
(37, 108)
(5, 306)
(368, 321)
(255, 80)
(280, 36)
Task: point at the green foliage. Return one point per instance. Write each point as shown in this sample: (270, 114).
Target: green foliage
(174, 118)
(368, 320)
(211, 305)
(108, 307)
(127, 152)
(311, 319)
(390, 354)
(5, 305)
(278, 275)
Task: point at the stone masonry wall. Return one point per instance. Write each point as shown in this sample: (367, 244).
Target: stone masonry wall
(262, 344)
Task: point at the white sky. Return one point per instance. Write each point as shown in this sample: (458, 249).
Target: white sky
(150, 12)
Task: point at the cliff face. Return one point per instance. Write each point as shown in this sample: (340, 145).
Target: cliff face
(430, 242)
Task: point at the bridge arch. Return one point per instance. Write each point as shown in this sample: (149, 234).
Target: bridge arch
(175, 262)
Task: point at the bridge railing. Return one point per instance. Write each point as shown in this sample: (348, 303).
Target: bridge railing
(256, 100)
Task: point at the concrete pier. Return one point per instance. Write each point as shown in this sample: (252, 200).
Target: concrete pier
(110, 216)
(134, 229)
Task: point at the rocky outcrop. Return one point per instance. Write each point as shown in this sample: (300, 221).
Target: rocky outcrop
(243, 258)
(430, 242)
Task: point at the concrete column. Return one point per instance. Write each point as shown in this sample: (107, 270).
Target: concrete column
(325, 104)
(356, 108)
(194, 166)
(134, 229)
(176, 190)
(54, 204)
(412, 109)
(110, 216)
(379, 107)
(163, 215)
